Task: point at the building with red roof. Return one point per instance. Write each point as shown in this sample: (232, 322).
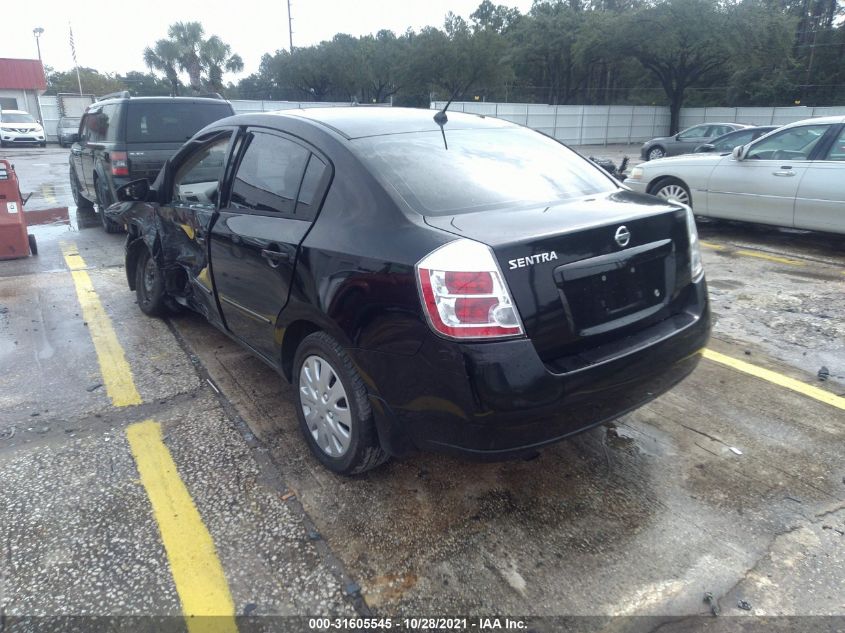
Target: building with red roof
(21, 82)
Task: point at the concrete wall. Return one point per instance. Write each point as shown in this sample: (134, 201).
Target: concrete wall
(575, 125)
(600, 125)
(578, 125)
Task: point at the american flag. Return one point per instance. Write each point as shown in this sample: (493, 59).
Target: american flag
(72, 45)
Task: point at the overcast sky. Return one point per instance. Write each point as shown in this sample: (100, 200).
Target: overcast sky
(111, 36)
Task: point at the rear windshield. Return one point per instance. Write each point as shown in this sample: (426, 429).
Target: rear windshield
(482, 169)
(170, 122)
(67, 122)
(15, 117)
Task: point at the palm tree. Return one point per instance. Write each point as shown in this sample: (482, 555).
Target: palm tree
(163, 57)
(215, 56)
(203, 59)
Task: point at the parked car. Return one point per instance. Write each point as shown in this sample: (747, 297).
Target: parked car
(485, 299)
(20, 128)
(686, 141)
(66, 128)
(123, 138)
(727, 142)
(790, 177)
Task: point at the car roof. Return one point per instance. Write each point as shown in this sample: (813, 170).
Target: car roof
(362, 121)
(15, 112)
(157, 100)
(822, 120)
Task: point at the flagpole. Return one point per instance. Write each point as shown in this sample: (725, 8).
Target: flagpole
(76, 63)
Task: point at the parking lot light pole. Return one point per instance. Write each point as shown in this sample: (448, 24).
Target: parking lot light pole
(37, 31)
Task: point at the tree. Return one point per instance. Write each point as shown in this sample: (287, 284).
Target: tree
(164, 57)
(544, 51)
(677, 41)
(204, 60)
(145, 84)
(93, 82)
(495, 17)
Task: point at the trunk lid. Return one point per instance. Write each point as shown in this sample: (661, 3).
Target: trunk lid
(573, 284)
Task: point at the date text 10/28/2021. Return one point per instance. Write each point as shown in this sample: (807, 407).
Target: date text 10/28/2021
(482, 624)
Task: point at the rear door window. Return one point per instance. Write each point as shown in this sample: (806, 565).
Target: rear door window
(168, 121)
(312, 186)
(269, 175)
(837, 150)
(94, 126)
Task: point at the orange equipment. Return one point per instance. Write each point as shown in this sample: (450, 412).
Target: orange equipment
(14, 241)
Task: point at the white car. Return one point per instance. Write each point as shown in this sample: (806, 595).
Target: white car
(18, 128)
(793, 176)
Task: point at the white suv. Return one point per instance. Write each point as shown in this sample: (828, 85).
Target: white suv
(18, 127)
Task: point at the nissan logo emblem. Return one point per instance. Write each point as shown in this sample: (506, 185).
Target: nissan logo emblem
(622, 236)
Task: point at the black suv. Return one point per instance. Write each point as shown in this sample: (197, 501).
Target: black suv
(477, 288)
(123, 138)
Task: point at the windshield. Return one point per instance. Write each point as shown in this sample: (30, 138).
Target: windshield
(16, 117)
(482, 169)
(169, 122)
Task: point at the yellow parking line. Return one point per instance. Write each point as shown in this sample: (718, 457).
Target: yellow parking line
(778, 379)
(747, 253)
(197, 573)
(772, 258)
(117, 377)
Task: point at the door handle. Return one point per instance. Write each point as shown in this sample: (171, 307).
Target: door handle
(785, 170)
(275, 257)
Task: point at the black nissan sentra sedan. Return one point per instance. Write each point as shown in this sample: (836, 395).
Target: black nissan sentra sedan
(473, 287)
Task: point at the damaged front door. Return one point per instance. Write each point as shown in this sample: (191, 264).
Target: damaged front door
(255, 239)
(188, 217)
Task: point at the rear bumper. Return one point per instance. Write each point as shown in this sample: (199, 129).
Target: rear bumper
(498, 400)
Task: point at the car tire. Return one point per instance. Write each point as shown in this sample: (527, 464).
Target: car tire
(338, 424)
(149, 285)
(33, 245)
(104, 199)
(79, 200)
(672, 189)
(655, 152)
(44, 144)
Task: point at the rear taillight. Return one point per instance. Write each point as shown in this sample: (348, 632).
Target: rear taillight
(464, 295)
(119, 163)
(696, 265)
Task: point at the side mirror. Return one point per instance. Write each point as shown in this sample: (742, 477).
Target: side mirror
(678, 136)
(738, 152)
(707, 147)
(135, 191)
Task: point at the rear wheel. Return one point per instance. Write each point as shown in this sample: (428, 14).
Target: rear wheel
(79, 200)
(656, 152)
(333, 409)
(149, 285)
(674, 190)
(33, 245)
(104, 199)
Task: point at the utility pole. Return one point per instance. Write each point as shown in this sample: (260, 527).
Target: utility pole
(290, 28)
(37, 31)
